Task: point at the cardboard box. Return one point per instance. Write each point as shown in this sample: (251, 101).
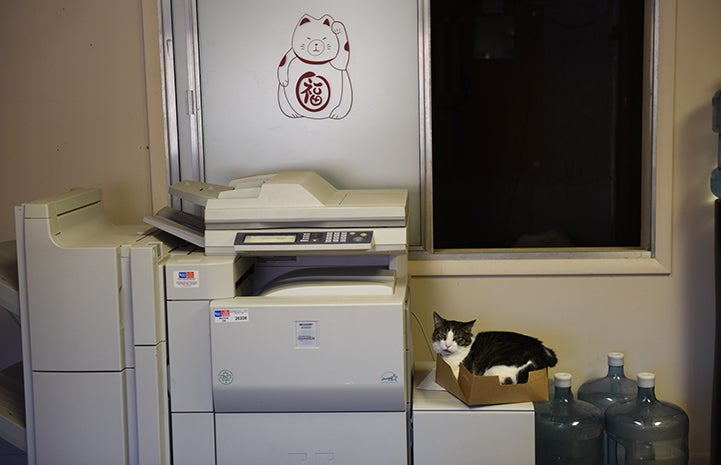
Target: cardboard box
(484, 390)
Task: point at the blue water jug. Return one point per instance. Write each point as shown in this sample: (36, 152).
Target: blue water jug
(645, 430)
(568, 431)
(612, 388)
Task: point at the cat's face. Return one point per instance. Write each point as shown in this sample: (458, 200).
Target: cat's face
(450, 336)
(314, 40)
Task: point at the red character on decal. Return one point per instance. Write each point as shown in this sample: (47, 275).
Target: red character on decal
(313, 79)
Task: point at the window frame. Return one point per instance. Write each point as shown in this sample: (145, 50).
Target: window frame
(654, 255)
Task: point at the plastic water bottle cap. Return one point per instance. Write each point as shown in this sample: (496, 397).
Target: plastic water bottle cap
(646, 380)
(562, 380)
(615, 359)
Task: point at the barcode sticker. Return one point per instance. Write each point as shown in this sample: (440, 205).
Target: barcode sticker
(230, 315)
(306, 334)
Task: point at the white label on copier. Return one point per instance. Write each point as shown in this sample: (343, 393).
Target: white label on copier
(186, 279)
(306, 334)
(230, 315)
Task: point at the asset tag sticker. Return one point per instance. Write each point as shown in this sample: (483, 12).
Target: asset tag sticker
(306, 334)
(186, 279)
(230, 315)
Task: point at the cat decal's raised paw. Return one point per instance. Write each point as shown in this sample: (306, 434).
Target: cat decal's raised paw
(313, 80)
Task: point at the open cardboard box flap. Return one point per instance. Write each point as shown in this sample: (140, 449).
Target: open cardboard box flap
(485, 390)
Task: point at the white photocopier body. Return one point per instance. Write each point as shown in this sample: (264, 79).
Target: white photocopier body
(282, 340)
(308, 361)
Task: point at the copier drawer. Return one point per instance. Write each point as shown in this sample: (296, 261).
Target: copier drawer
(359, 438)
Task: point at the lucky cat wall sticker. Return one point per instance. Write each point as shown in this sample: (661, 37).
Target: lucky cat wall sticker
(313, 80)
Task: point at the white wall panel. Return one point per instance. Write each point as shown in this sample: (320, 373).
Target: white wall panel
(244, 131)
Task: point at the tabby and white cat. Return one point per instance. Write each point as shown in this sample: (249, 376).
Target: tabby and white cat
(508, 355)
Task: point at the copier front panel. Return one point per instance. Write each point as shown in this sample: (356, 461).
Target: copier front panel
(309, 354)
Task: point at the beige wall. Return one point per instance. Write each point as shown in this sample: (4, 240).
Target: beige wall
(77, 111)
(74, 105)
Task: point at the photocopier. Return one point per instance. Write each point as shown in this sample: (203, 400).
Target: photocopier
(269, 327)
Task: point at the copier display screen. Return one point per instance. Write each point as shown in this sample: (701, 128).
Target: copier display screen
(268, 239)
(301, 238)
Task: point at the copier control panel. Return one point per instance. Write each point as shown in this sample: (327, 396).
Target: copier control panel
(341, 239)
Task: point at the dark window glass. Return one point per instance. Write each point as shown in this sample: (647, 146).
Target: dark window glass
(536, 123)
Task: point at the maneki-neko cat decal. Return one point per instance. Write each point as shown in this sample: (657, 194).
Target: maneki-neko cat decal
(313, 80)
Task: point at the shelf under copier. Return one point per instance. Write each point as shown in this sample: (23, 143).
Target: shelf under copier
(12, 405)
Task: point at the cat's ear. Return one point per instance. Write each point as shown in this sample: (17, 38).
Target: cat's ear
(326, 20)
(469, 324)
(305, 19)
(437, 320)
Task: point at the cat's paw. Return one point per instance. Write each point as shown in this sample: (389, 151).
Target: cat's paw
(337, 27)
